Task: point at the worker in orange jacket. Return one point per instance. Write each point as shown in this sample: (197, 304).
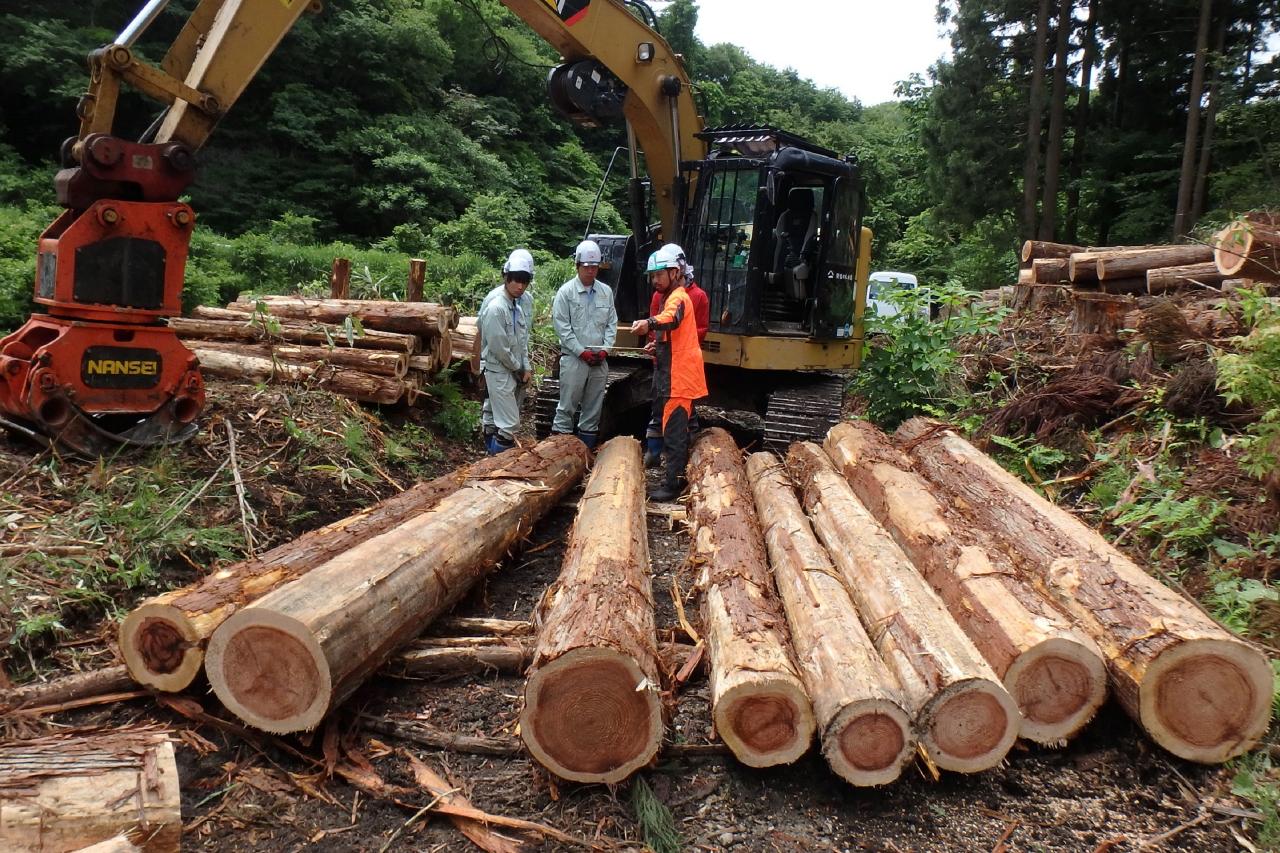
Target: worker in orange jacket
(678, 372)
(702, 316)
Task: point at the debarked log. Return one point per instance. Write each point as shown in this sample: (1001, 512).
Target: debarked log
(244, 324)
(345, 383)
(426, 319)
(285, 661)
(592, 710)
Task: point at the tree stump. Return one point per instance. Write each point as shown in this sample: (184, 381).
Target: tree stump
(1098, 313)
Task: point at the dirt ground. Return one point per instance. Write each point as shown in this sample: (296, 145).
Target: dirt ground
(1110, 789)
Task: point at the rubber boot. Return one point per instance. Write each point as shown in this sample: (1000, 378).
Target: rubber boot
(653, 451)
(496, 444)
(589, 439)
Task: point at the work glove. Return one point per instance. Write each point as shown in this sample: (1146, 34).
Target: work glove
(588, 356)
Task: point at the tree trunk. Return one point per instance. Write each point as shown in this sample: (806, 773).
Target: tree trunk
(1076, 171)
(1083, 266)
(1164, 279)
(1186, 177)
(758, 702)
(1199, 692)
(370, 361)
(228, 325)
(1098, 313)
(1035, 117)
(163, 640)
(965, 719)
(866, 731)
(1249, 246)
(1035, 249)
(592, 710)
(1057, 113)
(411, 318)
(1054, 672)
(1050, 270)
(283, 662)
(66, 792)
(345, 383)
(340, 279)
(1198, 193)
(1129, 264)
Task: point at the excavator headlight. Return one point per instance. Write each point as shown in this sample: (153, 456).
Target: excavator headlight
(644, 52)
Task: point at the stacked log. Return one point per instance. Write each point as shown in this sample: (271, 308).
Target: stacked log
(965, 719)
(1054, 672)
(865, 730)
(366, 387)
(592, 710)
(758, 702)
(163, 639)
(225, 324)
(424, 319)
(284, 661)
(1117, 269)
(66, 792)
(466, 345)
(1198, 691)
(1165, 279)
(1250, 247)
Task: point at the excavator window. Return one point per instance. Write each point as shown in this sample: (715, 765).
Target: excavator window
(721, 244)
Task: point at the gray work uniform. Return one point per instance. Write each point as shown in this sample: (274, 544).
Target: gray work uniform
(504, 354)
(584, 318)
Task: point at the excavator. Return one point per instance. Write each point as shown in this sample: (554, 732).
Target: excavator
(772, 224)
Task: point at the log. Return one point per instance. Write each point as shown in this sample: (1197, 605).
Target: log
(412, 318)
(283, 662)
(340, 279)
(371, 361)
(118, 844)
(69, 688)
(1098, 313)
(1197, 690)
(965, 719)
(865, 730)
(163, 640)
(1129, 286)
(592, 710)
(510, 657)
(1033, 250)
(65, 792)
(484, 625)
(1053, 671)
(226, 324)
(466, 345)
(417, 277)
(1137, 263)
(758, 702)
(1164, 279)
(424, 364)
(345, 383)
(1249, 246)
(1049, 270)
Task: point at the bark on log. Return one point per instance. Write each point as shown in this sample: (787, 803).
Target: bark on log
(1049, 270)
(1083, 266)
(592, 710)
(1098, 313)
(482, 625)
(758, 702)
(226, 324)
(285, 661)
(509, 656)
(371, 361)
(1033, 250)
(1164, 279)
(1199, 692)
(1249, 247)
(867, 734)
(1053, 671)
(1129, 264)
(163, 640)
(345, 383)
(68, 792)
(111, 679)
(414, 318)
(965, 719)
(1130, 286)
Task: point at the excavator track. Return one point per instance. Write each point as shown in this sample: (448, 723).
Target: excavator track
(802, 412)
(627, 386)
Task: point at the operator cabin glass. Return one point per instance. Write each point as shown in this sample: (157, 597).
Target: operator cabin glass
(725, 223)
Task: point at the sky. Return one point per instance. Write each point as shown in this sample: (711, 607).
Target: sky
(861, 48)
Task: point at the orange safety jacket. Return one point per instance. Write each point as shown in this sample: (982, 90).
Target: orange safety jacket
(678, 372)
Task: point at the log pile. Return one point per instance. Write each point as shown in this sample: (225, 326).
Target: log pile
(1250, 247)
(592, 712)
(375, 351)
(284, 661)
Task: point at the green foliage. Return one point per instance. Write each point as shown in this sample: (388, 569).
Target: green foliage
(1182, 526)
(457, 417)
(1025, 456)
(657, 824)
(1252, 376)
(491, 227)
(910, 364)
(1234, 599)
(1256, 780)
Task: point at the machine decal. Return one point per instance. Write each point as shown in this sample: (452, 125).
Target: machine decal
(120, 367)
(570, 11)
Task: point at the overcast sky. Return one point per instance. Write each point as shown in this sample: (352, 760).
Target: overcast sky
(860, 48)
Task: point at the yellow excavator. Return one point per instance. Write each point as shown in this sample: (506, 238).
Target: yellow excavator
(771, 223)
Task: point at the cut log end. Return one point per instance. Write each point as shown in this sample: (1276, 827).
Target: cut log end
(969, 726)
(1207, 700)
(765, 722)
(269, 670)
(591, 716)
(869, 742)
(160, 647)
(1059, 685)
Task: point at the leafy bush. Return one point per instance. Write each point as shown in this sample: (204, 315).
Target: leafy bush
(1252, 376)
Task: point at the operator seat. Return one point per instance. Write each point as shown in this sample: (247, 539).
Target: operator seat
(793, 239)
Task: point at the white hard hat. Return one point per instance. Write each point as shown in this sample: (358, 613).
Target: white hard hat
(685, 266)
(519, 261)
(588, 252)
(663, 259)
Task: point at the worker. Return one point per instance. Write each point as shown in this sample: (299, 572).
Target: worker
(586, 322)
(678, 373)
(503, 323)
(702, 316)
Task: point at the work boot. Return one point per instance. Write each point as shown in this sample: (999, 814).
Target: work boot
(664, 493)
(589, 439)
(495, 444)
(653, 452)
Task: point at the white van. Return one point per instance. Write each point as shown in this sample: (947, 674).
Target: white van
(881, 282)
